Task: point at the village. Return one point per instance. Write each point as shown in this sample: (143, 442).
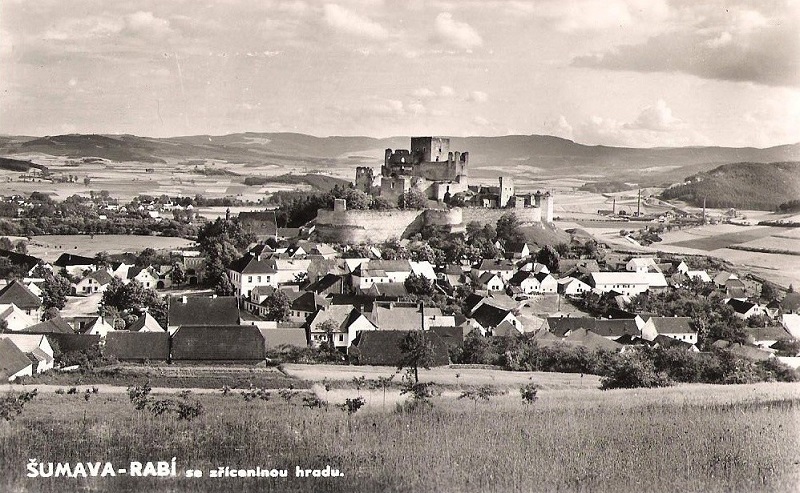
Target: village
(451, 261)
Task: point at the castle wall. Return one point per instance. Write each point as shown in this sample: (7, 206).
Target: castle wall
(526, 216)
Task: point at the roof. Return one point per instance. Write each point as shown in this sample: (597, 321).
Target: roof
(672, 325)
(295, 336)
(667, 342)
(102, 276)
(723, 276)
(218, 342)
(125, 345)
(259, 223)
(204, 310)
(750, 352)
(541, 276)
(385, 266)
(496, 264)
(452, 336)
(771, 333)
(506, 328)
(26, 342)
(73, 342)
(487, 277)
(16, 258)
(17, 293)
(489, 316)
(253, 264)
(55, 325)
(382, 347)
(69, 260)
(560, 326)
(590, 340)
(146, 323)
(403, 318)
(12, 359)
(740, 306)
(616, 327)
(325, 283)
(583, 266)
(513, 247)
(308, 302)
(518, 277)
(393, 289)
(653, 279)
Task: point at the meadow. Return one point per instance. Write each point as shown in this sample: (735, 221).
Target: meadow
(684, 438)
(50, 247)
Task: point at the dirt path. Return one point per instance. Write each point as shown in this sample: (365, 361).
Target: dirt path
(115, 389)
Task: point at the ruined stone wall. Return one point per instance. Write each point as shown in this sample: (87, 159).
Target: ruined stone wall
(527, 215)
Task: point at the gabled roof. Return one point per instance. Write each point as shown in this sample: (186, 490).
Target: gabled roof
(487, 276)
(146, 323)
(768, 333)
(308, 302)
(102, 276)
(541, 276)
(631, 340)
(325, 283)
(135, 271)
(616, 327)
(489, 316)
(496, 264)
(28, 262)
(294, 336)
(667, 342)
(18, 294)
(751, 352)
(12, 359)
(590, 340)
(560, 326)
(740, 306)
(386, 266)
(516, 247)
(723, 276)
(402, 318)
(26, 342)
(382, 347)
(452, 336)
(518, 277)
(55, 325)
(218, 342)
(70, 260)
(506, 329)
(253, 264)
(672, 325)
(203, 310)
(393, 289)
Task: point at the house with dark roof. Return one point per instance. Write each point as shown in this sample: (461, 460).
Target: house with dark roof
(56, 325)
(146, 323)
(486, 318)
(305, 305)
(382, 348)
(280, 337)
(571, 286)
(138, 346)
(146, 276)
(764, 337)
(517, 250)
(96, 282)
(36, 347)
(667, 342)
(202, 310)
(20, 261)
(328, 284)
(613, 329)
(19, 295)
(490, 282)
(218, 343)
(561, 326)
(678, 328)
(261, 224)
(251, 271)
(15, 319)
(744, 351)
(577, 267)
(74, 342)
(347, 323)
(14, 363)
(385, 289)
(76, 265)
(744, 309)
(503, 268)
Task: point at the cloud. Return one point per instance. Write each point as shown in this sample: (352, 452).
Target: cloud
(145, 23)
(478, 97)
(424, 93)
(455, 33)
(559, 128)
(744, 46)
(446, 91)
(657, 117)
(345, 21)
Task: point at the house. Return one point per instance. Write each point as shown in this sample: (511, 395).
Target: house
(791, 322)
(613, 329)
(279, 336)
(202, 310)
(487, 317)
(381, 271)
(423, 269)
(328, 284)
(578, 267)
(97, 327)
(14, 363)
(578, 338)
(666, 342)
(490, 282)
(561, 326)
(15, 318)
(698, 274)
(570, 286)
(305, 305)
(451, 276)
(17, 294)
(547, 283)
(503, 268)
(764, 337)
(386, 289)
(723, 277)
(678, 328)
(145, 323)
(218, 343)
(348, 320)
(735, 288)
(250, 271)
(407, 316)
(744, 351)
(525, 281)
(534, 267)
(506, 329)
(36, 347)
(75, 265)
(642, 264)
(96, 282)
(517, 250)
(21, 262)
(138, 346)
(627, 283)
(382, 348)
(744, 309)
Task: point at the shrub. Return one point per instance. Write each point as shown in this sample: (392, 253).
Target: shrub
(12, 405)
(529, 393)
(634, 370)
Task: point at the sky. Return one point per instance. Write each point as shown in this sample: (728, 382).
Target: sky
(641, 73)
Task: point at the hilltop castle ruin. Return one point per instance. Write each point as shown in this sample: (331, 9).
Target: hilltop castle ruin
(441, 174)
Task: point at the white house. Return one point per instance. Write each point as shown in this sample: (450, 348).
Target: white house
(678, 328)
(95, 282)
(628, 283)
(491, 282)
(36, 347)
(570, 286)
(14, 363)
(698, 274)
(97, 327)
(15, 317)
(503, 268)
(145, 276)
(744, 309)
(348, 323)
(380, 271)
(251, 271)
(642, 264)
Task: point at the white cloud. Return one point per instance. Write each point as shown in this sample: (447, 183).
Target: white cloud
(424, 93)
(446, 91)
(145, 23)
(455, 33)
(84, 28)
(723, 39)
(559, 128)
(657, 117)
(345, 21)
(478, 97)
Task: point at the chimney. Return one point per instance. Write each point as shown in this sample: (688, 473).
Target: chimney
(183, 299)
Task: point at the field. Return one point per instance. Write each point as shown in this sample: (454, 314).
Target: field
(50, 247)
(687, 438)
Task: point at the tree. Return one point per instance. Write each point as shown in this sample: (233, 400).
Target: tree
(417, 351)
(509, 230)
(55, 291)
(50, 313)
(418, 285)
(549, 257)
(768, 292)
(178, 274)
(134, 299)
(146, 257)
(412, 199)
(382, 203)
(277, 305)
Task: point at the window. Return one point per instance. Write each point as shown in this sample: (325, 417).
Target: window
(259, 278)
(249, 278)
(341, 337)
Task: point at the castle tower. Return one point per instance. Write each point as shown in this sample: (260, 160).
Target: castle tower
(506, 190)
(365, 178)
(547, 207)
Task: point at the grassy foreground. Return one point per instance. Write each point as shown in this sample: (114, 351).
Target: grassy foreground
(685, 438)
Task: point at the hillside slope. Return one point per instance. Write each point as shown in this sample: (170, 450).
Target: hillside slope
(761, 186)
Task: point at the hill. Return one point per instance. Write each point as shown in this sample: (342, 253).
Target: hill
(525, 156)
(761, 186)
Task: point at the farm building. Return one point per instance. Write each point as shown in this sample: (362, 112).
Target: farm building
(219, 343)
(146, 323)
(383, 348)
(36, 347)
(678, 328)
(13, 362)
(138, 346)
(202, 310)
(18, 294)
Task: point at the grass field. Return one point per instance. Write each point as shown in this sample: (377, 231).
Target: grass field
(688, 438)
(50, 247)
